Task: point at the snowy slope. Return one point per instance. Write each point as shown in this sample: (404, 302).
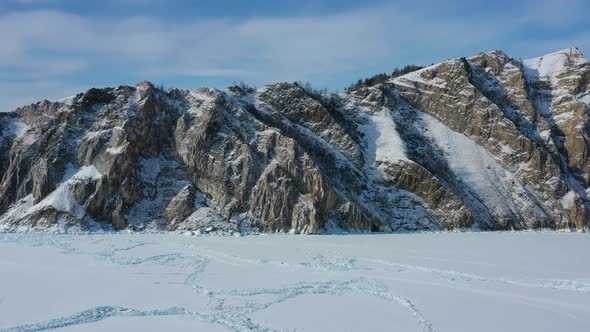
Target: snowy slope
(484, 174)
(388, 146)
(61, 199)
(486, 141)
(384, 143)
(403, 282)
(550, 66)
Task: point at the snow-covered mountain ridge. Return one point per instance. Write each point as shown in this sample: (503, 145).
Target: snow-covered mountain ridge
(489, 142)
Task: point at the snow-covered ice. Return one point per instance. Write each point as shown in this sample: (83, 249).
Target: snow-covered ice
(474, 281)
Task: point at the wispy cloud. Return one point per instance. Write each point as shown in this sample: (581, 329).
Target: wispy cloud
(39, 47)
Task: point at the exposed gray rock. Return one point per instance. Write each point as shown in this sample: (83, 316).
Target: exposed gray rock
(180, 207)
(487, 141)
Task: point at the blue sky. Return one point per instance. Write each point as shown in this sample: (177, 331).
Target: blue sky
(55, 48)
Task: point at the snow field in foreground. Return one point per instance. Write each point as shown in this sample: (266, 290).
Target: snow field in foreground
(503, 281)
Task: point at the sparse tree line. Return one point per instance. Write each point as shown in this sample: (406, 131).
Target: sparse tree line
(383, 77)
(318, 93)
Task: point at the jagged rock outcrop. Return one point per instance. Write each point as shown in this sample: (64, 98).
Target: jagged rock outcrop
(489, 141)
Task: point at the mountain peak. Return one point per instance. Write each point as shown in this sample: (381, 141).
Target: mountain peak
(497, 54)
(434, 149)
(571, 51)
(551, 65)
(144, 85)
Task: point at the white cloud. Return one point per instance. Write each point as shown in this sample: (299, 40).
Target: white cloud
(280, 47)
(46, 45)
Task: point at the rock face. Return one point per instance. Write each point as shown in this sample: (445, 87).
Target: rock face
(488, 142)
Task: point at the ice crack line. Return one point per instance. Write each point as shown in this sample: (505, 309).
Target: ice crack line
(233, 317)
(319, 262)
(380, 292)
(219, 299)
(449, 275)
(94, 315)
(104, 312)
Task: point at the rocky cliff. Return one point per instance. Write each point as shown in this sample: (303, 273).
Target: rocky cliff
(489, 142)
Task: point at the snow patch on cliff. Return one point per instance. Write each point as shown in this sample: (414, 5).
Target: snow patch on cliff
(568, 200)
(550, 66)
(498, 188)
(61, 199)
(17, 129)
(385, 144)
(411, 78)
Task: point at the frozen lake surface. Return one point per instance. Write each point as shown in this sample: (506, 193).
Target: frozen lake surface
(504, 281)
